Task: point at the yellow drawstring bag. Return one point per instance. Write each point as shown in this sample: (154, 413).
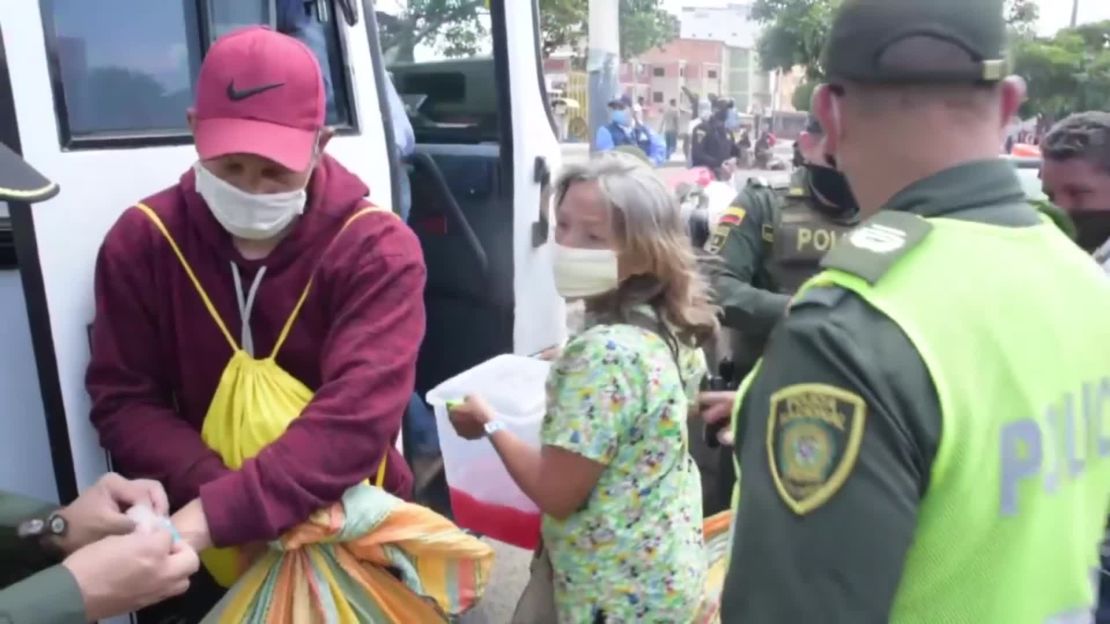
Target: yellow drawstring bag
(253, 404)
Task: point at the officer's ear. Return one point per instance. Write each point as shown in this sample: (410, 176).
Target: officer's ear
(1013, 91)
(826, 107)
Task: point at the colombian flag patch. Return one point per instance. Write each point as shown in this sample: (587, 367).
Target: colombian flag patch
(733, 216)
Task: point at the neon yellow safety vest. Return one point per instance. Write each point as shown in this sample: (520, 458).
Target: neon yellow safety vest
(1014, 327)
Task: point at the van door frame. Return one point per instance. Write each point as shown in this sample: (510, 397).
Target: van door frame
(38, 315)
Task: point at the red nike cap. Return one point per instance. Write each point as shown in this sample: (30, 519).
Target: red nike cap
(260, 92)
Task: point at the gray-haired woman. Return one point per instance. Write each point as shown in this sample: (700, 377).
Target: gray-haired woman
(619, 492)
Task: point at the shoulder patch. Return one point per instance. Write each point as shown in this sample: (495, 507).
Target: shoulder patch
(732, 217)
(875, 246)
(814, 432)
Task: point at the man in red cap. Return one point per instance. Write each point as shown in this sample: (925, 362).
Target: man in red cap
(223, 256)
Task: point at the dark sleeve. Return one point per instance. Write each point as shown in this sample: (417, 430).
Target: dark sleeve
(20, 557)
(131, 407)
(741, 247)
(698, 156)
(368, 368)
(49, 597)
(733, 146)
(837, 561)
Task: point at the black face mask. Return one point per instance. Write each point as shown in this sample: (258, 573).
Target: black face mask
(1093, 227)
(831, 187)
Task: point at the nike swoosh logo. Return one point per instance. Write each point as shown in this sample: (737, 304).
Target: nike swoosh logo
(236, 95)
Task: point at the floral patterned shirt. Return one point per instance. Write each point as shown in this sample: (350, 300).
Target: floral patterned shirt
(635, 550)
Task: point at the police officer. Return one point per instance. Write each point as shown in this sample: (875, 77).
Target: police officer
(624, 129)
(58, 565)
(713, 143)
(770, 242)
(927, 438)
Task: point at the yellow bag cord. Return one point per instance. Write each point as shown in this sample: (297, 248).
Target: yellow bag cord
(379, 479)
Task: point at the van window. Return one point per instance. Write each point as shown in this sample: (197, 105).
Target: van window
(124, 71)
(440, 59)
(122, 67)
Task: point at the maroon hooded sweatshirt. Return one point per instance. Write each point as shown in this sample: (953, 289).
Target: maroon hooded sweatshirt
(157, 355)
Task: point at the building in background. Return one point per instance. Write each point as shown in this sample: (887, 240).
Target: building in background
(732, 26)
(699, 66)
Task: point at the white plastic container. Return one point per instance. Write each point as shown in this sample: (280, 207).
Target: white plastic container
(484, 498)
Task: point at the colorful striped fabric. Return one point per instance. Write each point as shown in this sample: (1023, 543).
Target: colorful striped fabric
(717, 531)
(371, 558)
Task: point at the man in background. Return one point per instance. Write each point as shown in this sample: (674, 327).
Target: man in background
(623, 129)
(1076, 177)
(714, 144)
(671, 119)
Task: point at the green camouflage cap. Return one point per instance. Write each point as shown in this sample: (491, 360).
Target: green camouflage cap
(917, 41)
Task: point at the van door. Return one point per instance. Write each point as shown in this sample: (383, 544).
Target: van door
(480, 173)
(100, 94)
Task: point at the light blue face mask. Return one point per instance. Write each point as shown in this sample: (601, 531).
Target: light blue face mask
(732, 122)
(619, 117)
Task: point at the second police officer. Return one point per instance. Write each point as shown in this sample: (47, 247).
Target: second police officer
(770, 242)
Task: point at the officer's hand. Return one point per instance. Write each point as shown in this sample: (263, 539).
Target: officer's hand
(715, 410)
(729, 167)
(99, 512)
(124, 573)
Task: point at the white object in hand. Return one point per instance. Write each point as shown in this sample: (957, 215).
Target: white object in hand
(147, 521)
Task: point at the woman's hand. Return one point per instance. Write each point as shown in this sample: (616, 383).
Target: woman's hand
(469, 417)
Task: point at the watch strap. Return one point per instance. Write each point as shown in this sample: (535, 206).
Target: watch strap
(493, 427)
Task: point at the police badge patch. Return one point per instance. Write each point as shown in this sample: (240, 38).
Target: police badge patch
(813, 438)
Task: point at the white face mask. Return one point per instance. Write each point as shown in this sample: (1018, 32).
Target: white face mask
(581, 273)
(248, 216)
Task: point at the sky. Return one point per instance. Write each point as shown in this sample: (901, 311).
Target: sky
(1055, 14)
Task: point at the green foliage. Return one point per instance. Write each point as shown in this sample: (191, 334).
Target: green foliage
(1067, 73)
(453, 27)
(643, 25)
(795, 31)
(803, 95)
(1022, 16)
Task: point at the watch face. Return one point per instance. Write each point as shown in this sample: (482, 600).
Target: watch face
(58, 525)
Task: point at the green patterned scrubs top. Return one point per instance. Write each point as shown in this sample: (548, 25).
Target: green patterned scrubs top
(635, 550)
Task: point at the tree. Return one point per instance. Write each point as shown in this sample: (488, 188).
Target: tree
(1022, 16)
(795, 31)
(644, 25)
(794, 34)
(1067, 73)
(453, 27)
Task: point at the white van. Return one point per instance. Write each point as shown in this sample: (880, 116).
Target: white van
(94, 94)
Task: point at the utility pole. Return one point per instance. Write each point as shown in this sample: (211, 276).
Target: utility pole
(603, 61)
(1074, 13)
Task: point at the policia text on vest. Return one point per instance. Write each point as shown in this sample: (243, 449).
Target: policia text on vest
(1044, 452)
(916, 430)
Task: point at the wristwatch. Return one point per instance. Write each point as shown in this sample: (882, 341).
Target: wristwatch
(44, 530)
(493, 427)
